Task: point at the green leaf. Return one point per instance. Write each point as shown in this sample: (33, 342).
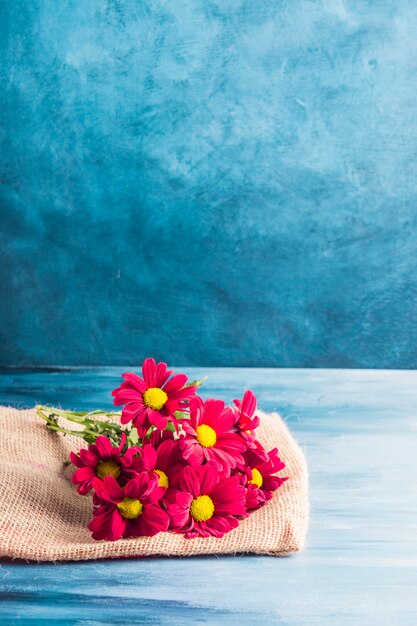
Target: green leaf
(133, 436)
(196, 383)
(149, 431)
(182, 415)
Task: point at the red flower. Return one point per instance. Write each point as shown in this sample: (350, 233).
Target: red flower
(166, 461)
(245, 415)
(132, 511)
(101, 460)
(261, 481)
(247, 422)
(153, 399)
(208, 436)
(205, 505)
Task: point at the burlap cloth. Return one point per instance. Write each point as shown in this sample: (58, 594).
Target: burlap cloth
(43, 518)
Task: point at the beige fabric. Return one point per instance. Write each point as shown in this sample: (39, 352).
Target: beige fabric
(42, 517)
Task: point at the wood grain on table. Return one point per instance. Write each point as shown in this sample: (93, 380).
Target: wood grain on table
(358, 430)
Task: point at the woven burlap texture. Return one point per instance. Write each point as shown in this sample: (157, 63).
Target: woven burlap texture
(43, 518)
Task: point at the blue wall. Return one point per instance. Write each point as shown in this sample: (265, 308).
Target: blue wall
(215, 183)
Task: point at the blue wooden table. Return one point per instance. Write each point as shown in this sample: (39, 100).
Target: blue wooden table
(359, 432)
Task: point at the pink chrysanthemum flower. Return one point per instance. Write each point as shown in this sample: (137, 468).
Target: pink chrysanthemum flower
(245, 414)
(246, 422)
(208, 436)
(132, 511)
(206, 505)
(261, 479)
(153, 399)
(165, 460)
(101, 459)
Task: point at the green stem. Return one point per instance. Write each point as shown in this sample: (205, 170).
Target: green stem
(53, 426)
(79, 417)
(49, 415)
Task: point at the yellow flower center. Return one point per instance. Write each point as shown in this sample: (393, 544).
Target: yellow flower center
(108, 468)
(202, 508)
(155, 398)
(130, 508)
(206, 436)
(163, 479)
(256, 478)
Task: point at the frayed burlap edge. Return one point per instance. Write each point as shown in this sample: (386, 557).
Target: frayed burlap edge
(42, 517)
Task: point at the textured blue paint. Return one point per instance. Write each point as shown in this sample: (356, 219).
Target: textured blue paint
(209, 182)
(358, 430)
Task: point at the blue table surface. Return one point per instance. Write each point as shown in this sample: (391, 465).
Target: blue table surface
(358, 430)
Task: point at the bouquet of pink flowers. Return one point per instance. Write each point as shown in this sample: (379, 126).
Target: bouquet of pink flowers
(172, 461)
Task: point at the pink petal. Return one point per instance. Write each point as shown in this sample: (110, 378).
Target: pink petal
(157, 419)
(164, 453)
(222, 422)
(83, 474)
(132, 411)
(226, 460)
(127, 395)
(249, 403)
(218, 526)
(114, 492)
(199, 530)
(175, 383)
(162, 374)
(100, 523)
(89, 458)
(75, 460)
(117, 526)
(229, 497)
(188, 428)
(192, 451)
(208, 477)
(122, 442)
(149, 372)
(189, 481)
(149, 457)
(104, 446)
(182, 394)
(213, 410)
(152, 521)
(179, 510)
(140, 486)
(222, 525)
(155, 495)
(271, 483)
(231, 443)
(136, 381)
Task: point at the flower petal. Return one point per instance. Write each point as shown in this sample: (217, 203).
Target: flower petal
(208, 477)
(192, 451)
(179, 508)
(89, 458)
(75, 460)
(155, 495)
(82, 475)
(108, 489)
(149, 458)
(104, 447)
(149, 372)
(175, 383)
(189, 481)
(152, 521)
(157, 419)
(136, 381)
(162, 374)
